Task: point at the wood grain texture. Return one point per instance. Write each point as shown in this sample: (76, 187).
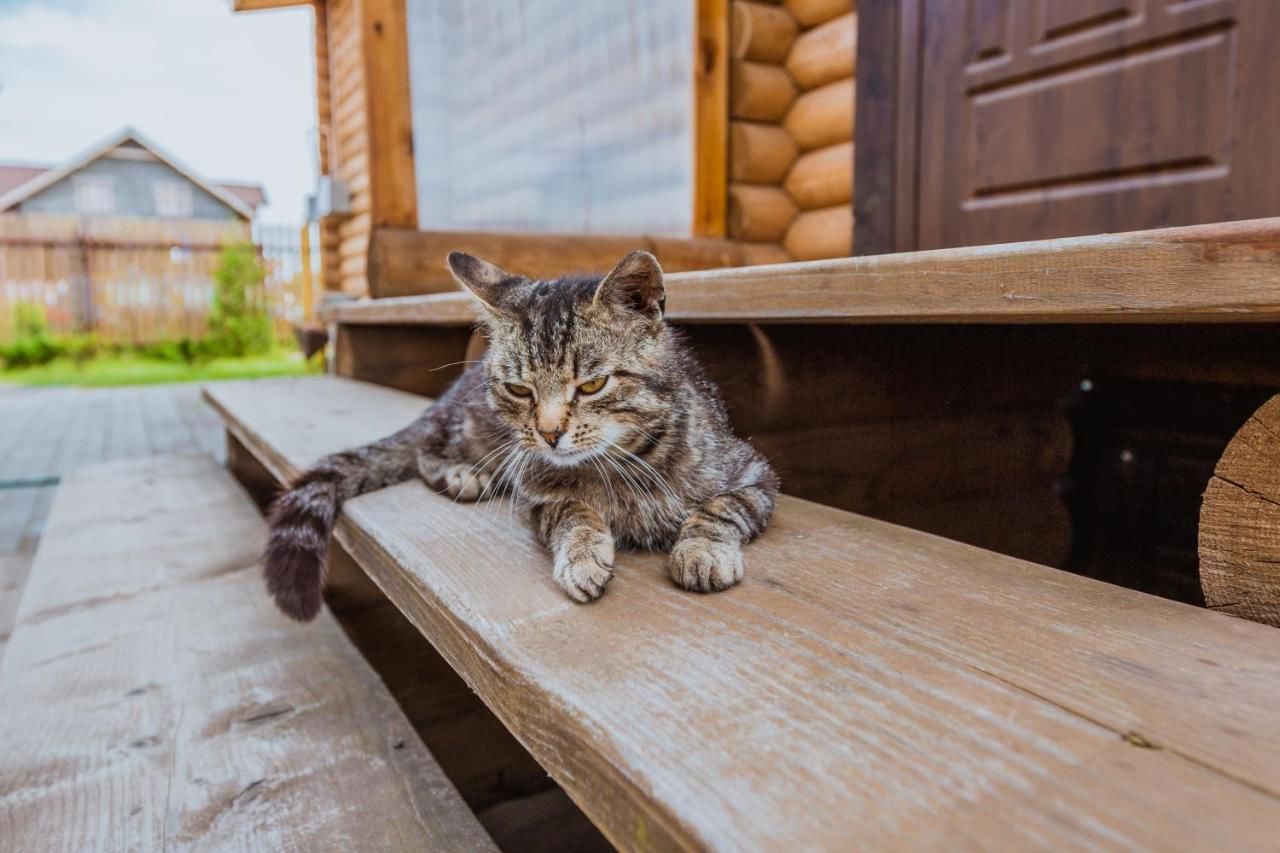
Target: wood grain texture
(826, 232)
(405, 261)
(762, 32)
(394, 193)
(159, 701)
(759, 153)
(1223, 273)
(1240, 523)
(759, 91)
(759, 213)
(822, 116)
(825, 53)
(823, 178)
(1093, 116)
(710, 117)
(919, 692)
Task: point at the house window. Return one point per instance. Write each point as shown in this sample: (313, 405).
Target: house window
(174, 199)
(95, 195)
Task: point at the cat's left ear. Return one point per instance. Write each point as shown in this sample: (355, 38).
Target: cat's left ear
(635, 284)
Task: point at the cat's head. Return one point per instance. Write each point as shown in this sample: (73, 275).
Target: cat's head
(579, 363)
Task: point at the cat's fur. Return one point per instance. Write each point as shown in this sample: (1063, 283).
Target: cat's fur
(649, 461)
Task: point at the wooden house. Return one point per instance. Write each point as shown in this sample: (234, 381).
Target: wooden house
(722, 133)
(125, 177)
(121, 239)
(956, 420)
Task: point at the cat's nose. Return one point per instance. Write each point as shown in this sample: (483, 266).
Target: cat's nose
(552, 437)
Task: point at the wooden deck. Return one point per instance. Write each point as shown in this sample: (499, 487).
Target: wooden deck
(47, 433)
(919, 692)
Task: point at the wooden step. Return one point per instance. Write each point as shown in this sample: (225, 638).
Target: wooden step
(151, 698)
(865, 682)
(1220, 273)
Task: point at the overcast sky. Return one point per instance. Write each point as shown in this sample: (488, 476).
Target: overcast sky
(230, 96)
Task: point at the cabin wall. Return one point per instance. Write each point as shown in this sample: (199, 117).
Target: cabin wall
(821, 61)
(328, 228)
(349, 141)
(761, 151)
(791, 132)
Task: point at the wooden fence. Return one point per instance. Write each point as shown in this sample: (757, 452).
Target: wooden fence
(141, 281)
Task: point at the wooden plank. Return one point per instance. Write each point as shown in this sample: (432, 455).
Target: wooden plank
(1221, 273)
(402, 356)
(384, 27)
(159, 702)
(1240, 523)
(710, 117)
(404, 261)
(865, 681)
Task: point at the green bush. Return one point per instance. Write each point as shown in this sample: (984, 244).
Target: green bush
(33, 344)
(238, 325)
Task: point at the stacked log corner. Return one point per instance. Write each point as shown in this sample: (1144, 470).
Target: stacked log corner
(820, 124)
(761, 151)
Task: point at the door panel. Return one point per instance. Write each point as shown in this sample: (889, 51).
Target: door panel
(1050, 118)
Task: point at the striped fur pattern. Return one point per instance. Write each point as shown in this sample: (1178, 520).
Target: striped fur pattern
(590, 412)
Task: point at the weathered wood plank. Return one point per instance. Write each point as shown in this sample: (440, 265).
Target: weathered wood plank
(1240, 523)
(1222, 273)
(866, 681)
(158, 702)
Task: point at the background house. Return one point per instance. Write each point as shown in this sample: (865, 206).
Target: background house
(123, 239)
(125, 176)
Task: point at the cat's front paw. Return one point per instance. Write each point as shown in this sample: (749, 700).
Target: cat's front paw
(584, 574)
(457, 480)
(704, 565)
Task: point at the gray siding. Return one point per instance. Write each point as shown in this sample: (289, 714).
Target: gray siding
(134, 182)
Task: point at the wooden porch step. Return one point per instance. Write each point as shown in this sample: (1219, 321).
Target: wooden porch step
(151, 698)
(1220, 273)
(866, 684)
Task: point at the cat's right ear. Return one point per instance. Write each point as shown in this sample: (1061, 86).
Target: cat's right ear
(486, 281)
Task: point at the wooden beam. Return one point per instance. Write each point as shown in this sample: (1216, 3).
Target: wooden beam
(1239, 523)
(405, 261)
(858, 672)
(710, 117)
(389, 113)
(1222, 273)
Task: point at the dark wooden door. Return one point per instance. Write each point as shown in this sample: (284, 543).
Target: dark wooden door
(1050, 118)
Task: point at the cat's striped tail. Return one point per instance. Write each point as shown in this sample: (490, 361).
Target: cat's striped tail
(302, 519)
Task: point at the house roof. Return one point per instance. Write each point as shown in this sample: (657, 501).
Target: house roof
(20, 182)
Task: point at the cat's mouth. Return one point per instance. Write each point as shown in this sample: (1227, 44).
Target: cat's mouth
(568, 457)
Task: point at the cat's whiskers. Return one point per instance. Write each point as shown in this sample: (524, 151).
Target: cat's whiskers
(638, 491)
(478, 468)
(648, 470)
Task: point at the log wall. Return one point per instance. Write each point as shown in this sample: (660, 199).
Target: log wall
(820, 122)
(761, 151)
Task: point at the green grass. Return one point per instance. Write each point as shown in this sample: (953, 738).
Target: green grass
(112, 370)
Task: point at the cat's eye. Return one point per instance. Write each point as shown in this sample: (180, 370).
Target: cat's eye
(591, 386)
(518, 390)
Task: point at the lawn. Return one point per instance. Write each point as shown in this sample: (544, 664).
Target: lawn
(128, 369)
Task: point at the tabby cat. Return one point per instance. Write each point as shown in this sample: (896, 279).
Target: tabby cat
(590, 410)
